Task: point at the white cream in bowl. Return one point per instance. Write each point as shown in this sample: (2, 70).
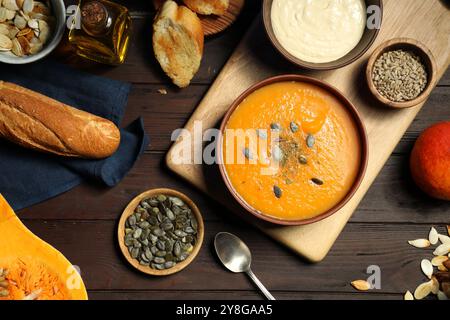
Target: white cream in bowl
(318, 31)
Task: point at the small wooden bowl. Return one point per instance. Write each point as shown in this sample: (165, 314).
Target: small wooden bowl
(364, 44)
(129, 211)
(363, 143)
(408, 45)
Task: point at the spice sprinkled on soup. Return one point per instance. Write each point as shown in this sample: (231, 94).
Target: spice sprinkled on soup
(291, 150)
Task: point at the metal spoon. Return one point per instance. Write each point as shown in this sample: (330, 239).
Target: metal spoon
(236, 256)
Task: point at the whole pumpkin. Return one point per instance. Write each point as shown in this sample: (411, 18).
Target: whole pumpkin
(430, 161)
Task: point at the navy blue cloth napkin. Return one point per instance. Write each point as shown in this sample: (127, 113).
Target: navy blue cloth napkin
(28, 177)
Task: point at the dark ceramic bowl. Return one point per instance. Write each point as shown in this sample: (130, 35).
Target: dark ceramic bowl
(364, 44)
(363, 141)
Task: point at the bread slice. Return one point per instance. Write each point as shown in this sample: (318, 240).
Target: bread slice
(207, 7)
(178, 42)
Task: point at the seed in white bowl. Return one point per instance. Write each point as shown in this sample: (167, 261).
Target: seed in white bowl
(420, 243)
(5, 43)
(28, 6)
(4, 29)
(10, 4)
(16, 48)
(441, 296)
(3, 13)
(20, 22)
(34, 24)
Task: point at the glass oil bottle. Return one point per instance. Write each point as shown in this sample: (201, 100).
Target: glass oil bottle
(101, 31)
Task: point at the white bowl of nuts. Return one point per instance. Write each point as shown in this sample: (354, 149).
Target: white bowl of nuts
(30, 29)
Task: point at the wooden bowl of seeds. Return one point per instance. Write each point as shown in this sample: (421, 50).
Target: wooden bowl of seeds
(160, 232)
(401, 73)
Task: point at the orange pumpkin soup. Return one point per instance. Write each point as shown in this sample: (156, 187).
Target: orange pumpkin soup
(301, 150)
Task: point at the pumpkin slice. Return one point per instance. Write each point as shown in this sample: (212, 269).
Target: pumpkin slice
(32, 268)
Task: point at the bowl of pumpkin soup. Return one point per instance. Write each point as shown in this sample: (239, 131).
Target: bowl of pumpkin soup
(293, 150)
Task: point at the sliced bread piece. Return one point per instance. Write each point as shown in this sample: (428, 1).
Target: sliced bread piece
(178, 42)
(207, 7)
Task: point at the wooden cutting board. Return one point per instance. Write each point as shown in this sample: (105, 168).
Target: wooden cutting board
(255, 59)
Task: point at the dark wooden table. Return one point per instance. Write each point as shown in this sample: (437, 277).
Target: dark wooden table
(82, 223)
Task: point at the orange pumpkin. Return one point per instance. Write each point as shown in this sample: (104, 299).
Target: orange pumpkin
(32, 269)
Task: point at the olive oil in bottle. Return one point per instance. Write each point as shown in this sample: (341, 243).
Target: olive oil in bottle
(102, 32)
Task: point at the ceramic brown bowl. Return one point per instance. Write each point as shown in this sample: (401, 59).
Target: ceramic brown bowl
(129, 211)
(364, 44)
(358, 122)
(408, 45)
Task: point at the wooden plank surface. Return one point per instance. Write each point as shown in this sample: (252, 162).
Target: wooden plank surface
(81, 223)
(254, 61)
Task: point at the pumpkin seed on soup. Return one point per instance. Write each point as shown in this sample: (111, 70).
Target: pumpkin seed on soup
(310, 141)
(275, 126)
(155, 229)
(293, 126)
(317, 181)
(248, 153)
(302, 159)
(277, 191)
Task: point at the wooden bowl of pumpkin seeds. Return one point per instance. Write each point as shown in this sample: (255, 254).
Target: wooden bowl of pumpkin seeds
(160, 232)
(401, 73)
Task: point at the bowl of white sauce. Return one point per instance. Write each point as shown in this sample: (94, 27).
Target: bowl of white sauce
(322, 34)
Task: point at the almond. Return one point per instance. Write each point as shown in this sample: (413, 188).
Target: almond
(442, 268)
(408, 296)
(420, 243)
(434, 285)
(446, 289)
(427, 268)
(442, 250)
(441, 296)
(448, 230)
(442, 277)
(444, 238)
(438, 260)
(433, 236)
(446, 264)
(361, 285)
(423, 290)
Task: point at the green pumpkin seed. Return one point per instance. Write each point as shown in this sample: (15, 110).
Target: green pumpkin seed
(137, 233)
(177, 201)
(310, 141)
(248, 153)
(275, 126)
(170, 214)
(180, 233)
(148, 254)
(293, 126)
(161, 253)
(169, 264)
(159, 260)
(317, 181)
(303, 160)
(277, 191)
(144, 263)
(177, 249)
(262, 133)
(161, 245)
(131, 220)
(135, 253)
(161, 198)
